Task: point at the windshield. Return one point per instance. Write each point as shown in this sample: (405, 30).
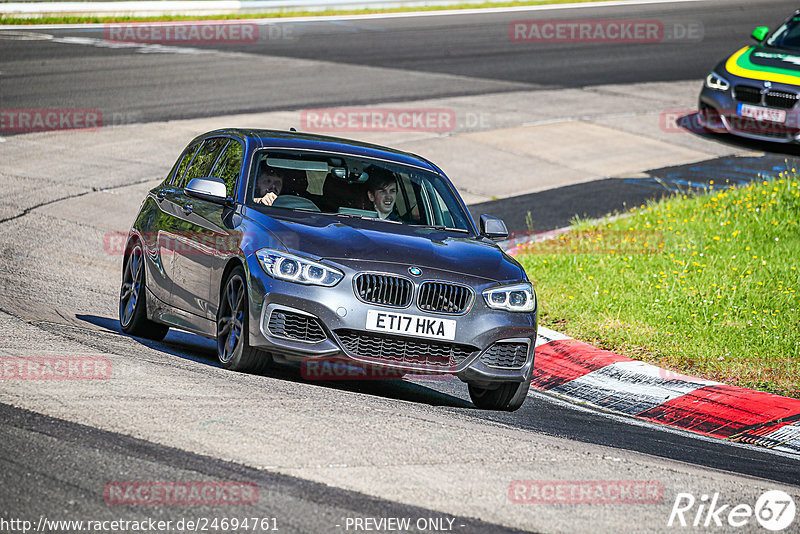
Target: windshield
(355, 187)
(787, 36)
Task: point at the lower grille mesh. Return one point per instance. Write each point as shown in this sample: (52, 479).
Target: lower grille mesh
(506, 355)
(404, 351)
(295, 326)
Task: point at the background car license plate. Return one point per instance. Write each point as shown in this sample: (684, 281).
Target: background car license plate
(761, 114)
(414, 325)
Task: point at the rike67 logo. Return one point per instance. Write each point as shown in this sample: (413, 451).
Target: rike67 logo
(774, 510)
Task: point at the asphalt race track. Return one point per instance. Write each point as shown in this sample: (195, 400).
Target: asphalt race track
(417, 58)
(324, 453)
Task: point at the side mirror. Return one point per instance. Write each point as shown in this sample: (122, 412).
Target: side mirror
(209, 188)
(493, 228)
(760, 33)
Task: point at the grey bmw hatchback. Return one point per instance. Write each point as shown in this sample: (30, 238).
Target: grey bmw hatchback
(290, 248)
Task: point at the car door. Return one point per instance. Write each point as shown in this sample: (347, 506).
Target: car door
(174, 226)
(206, 239)
(157, 237)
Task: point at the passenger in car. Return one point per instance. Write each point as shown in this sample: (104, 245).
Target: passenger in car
(268, 186)
(382, 192)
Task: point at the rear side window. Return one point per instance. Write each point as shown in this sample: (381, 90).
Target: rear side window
(228, 166)
(204, 160)
(184, 163)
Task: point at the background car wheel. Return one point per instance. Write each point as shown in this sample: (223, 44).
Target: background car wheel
(233, 348)
(132, 299)
(507, 397)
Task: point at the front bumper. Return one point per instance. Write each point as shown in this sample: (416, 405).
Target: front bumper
(301, 323)
(718, 113)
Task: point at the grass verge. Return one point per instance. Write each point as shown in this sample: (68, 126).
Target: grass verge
(10, 19)
(705, 284)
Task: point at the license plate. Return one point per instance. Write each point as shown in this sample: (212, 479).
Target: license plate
(412, 325)
(761, 114)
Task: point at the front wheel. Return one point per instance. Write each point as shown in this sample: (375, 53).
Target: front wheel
(233, 349)
(506, 397)
(132, 299)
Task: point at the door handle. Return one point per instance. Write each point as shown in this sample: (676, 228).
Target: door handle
(187, 208)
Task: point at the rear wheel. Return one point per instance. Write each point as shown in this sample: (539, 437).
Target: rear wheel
(132, 299)
(507, 397)
(233, 348)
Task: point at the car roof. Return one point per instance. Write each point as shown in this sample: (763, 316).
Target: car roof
(308, 141)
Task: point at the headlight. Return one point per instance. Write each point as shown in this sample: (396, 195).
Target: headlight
(516, 298)
(717, 82)
(292, 268)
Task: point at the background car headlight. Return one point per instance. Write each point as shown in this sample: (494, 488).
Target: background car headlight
(516, 298)
(717, 82)
(293, 268)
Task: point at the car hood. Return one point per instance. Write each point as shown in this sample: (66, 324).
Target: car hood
(765, 63)
(350, 240)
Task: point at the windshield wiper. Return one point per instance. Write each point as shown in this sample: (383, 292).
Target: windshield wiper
(337, 214)
(362, 217)
(441, 227)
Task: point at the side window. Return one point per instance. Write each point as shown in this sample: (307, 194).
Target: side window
(446, 208)
(204, 160)
(316, 180)
(180, 166)
(407, 204)
(228, 166)
(442, 209)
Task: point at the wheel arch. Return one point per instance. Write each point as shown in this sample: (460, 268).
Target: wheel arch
(132, 239)
(232, 264)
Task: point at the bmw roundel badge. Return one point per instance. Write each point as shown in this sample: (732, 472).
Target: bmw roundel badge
(415, 271)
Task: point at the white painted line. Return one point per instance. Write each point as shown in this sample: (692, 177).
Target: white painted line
(67, 7)
(630, 387)
(377, 5)
(144, 48)
(588, 118)
(16, 35)
(545, 335)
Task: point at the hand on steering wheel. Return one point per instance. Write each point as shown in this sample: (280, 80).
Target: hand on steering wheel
(267, 199)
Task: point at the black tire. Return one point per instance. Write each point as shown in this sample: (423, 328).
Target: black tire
(506, 397)
(233, 348)
(133, 299)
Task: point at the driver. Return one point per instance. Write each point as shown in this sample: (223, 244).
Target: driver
(382, 192)
(268, 186)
